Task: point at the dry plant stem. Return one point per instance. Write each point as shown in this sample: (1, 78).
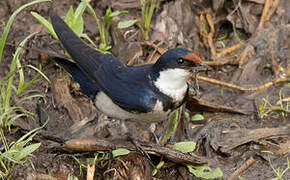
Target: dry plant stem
(124, 164)
(272, 9)
(247, 53)
(244, 167)
(210, 36)
(264, 14)
(235, 87)
(202, 33)
(45, 176)
(228, 50)
(80, 145)
(283, 100)
(151, 44)
(91, 171)
(228, 60)
(110, 170)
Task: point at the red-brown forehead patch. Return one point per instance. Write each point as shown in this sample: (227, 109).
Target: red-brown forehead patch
(193, 57)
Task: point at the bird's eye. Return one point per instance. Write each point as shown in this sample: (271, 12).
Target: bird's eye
(180, 61)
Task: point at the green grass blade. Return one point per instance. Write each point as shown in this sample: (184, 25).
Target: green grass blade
(91, 10)
(10, 21)
(89, 39)
(24, 87)
(126, 24)
(47, 25)
(69, 17)
(171, 127)
(78, 23)
(151, 11)
(15, 64)
(26, 151)
(39, 71)
(25, 98)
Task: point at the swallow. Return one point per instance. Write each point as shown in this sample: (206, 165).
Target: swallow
(146, 93)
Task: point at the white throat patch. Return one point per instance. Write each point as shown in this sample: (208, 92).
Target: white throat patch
(172, 82)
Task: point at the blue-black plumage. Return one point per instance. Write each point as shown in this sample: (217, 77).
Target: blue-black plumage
(147, 93)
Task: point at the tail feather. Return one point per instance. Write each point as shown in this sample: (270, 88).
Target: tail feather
(88, 87)
(87, 58)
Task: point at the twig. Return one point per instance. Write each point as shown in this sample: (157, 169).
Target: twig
(272, 9)
(264, 14)
(228, 50)
(228, 60)
(244, 167)
(124, 164)
(202, 30)
(233, 86)
(247, 52)
(209, 36)
(80, 145)
(91, 171)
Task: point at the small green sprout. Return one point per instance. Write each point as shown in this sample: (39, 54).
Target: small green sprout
(147, 9)
(104, 27)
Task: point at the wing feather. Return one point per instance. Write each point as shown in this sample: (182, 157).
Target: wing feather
(127, 86)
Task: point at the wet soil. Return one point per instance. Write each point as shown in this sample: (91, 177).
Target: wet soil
(232, 131)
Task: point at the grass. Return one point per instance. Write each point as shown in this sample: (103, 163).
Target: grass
(147, 10)
(17, 152)
(265, 107)
(75, 21)
(104, 26)
(280, 172)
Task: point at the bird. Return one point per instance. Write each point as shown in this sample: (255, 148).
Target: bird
(146, 93)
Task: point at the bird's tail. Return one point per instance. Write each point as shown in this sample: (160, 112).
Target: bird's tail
(88, 87)
(87, 58)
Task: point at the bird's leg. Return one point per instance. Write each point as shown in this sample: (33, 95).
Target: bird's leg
(134, 141)
(139, 148)
(152, 129)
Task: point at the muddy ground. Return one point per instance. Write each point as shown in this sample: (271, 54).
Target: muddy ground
(232, 132)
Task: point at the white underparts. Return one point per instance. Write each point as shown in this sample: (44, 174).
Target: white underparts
(106, 105)
(173, 83)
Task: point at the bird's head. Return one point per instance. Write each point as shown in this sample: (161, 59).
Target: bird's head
(179, 61)
(173, 69)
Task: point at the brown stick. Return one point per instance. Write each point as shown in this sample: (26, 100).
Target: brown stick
(202, 33)
(247, 52)
(228, 50)
(210, 35)
(233, 86)
(228, 60)
(264, 14)
(244, 167)
(91, 171)
(80, 145)
(272, 9)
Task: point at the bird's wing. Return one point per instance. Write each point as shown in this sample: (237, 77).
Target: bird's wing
(125, 86)
(129, 88)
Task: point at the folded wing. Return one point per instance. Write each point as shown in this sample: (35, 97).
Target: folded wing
(127, 86)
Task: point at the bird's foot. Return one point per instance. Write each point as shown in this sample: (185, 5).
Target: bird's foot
(139, 147)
